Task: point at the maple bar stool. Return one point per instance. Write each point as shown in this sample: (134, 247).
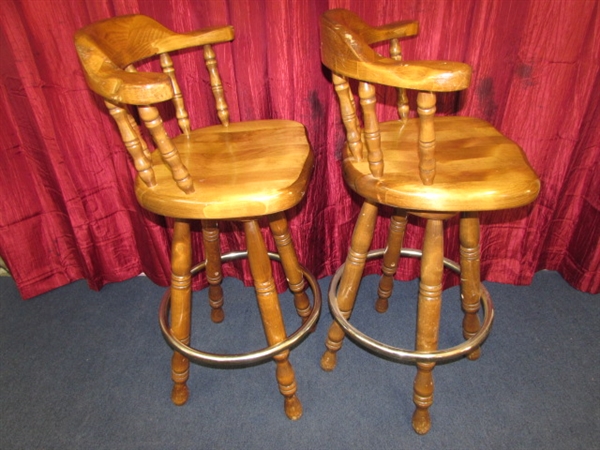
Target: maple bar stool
(232, 171)
(431, 167)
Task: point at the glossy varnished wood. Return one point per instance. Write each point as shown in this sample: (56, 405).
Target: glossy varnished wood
(222, 159)
(429, 166)
(107, 47)
(470, 275)
(291, 266)
(228, 171)
(355, 265)
(477, 169)
(398, 223)
(214, 271)
(181, 295)
(345, 49)
(270, 311)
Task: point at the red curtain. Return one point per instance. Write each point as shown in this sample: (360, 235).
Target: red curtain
(67, 209)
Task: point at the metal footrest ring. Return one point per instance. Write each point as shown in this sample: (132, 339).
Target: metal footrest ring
(242, 359)
(402, 355)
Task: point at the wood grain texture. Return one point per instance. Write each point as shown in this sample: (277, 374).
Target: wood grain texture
(181, 305)
(345, 49)
(229, 171)
(107, 47)
(431, 167)
(245, 169)
(477, 169)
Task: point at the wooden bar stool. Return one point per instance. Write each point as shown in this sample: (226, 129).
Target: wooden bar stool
(232, 171)
(430, 167)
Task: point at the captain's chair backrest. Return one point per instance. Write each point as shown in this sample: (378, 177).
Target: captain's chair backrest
(346, 50)
(108, 50)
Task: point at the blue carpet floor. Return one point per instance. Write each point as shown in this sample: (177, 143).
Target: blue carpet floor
(90, 370)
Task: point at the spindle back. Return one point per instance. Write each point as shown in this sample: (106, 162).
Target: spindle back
(346, 50)
(108, 51)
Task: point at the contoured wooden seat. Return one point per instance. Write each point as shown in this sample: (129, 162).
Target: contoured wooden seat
(428, 166)
(222, 159)
(232, 171)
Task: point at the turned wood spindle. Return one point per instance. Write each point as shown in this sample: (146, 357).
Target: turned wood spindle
(426, 110)
(291, 266)
(181, 297)
(136, 129)
(216, 84)
(272, 318)
(470, 285)
(170, 155)
(362, 237)
(366, 92)
(403, 107)
(181, 113)
(428, 320)
(348, 111)
(391, 255)
(133, 142)
(214, 271)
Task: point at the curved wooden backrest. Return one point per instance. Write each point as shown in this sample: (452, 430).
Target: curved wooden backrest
(346, 50)
(107, 51)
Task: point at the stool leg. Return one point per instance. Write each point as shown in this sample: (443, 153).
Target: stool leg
(428, 320)
(268, 304)
(291, 266)
(214, 274)
(181, 295)
(470, 278)
(355, 264)
(390, 260)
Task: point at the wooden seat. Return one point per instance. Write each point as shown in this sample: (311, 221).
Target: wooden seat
(428, 166)
(231, 171)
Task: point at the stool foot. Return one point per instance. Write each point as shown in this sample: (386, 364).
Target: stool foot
(381, 305)
(180, 394)
(421, 421)
(474, 355)
(328, 360)
(217, 315)
(292, 407)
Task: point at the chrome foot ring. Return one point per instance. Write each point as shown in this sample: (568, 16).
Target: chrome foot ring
(242, 359)
(402, 355)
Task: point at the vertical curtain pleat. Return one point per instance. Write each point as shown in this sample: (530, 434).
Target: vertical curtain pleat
(67, 208)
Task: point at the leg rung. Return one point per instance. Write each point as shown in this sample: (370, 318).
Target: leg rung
(243, 359)
(403, 355)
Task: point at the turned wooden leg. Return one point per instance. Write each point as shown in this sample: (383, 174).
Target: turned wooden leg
(291, 266)
(470, 280)
(270, 311)
(214, 274)
(181, 296)
(353, 270)
(428, 320)
(390, 260)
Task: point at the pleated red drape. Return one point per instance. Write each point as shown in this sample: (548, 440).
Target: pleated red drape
(67, 209)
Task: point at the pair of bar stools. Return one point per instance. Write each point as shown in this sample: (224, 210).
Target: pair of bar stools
(431, 167)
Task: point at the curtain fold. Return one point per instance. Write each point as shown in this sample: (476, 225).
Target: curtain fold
(67, 207)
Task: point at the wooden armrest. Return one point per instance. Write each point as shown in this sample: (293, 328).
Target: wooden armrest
(135, 88)
(372, 34)
(106, 48)
(345, 50)
(435, 76)
(111, 82)
(204, 36)
(395, 30)
(127, 39)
